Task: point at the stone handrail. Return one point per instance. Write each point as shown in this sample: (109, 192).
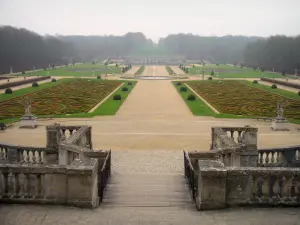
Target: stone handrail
(221, 186)
(81, 137)
(24, 154)
(74, 185)
(287, 156)
(190, 175)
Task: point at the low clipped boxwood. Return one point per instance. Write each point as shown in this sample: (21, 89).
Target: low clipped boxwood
(183, 89)
(124, 88)
(178, 83)
(274, 86)
(255, 82)
(129, 83)
(98, 77)
(117, 97)
(191, 98)
(53, 80)
(8, 91)
(35, 84)
(210, 78)
(23, 72)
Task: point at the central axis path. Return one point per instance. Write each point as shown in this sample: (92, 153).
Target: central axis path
(155, 99)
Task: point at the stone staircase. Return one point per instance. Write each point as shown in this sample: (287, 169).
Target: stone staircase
(147, 190)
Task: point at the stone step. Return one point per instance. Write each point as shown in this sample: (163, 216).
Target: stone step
(147, 190)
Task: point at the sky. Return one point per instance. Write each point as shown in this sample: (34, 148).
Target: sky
(154, 18)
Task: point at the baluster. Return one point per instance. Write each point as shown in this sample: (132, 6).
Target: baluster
(17, 186)
(286, 187)
(261, 158)
(5, 188)
(1, 154)
(33, 157)
(272, 157)
(276, 188)
(27, 187)
(71, 131)
(27, 157)
(267, 157)
(21, 156)
(255, 188)
(39, 158)
(38, 191)
(265, 187)
(22, 179)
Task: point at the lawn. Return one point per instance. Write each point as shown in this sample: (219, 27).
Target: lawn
(228, 71)
(79, 70)
(241, 98)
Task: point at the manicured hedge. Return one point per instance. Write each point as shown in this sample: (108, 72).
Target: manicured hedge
(27, 81)
(288, 84)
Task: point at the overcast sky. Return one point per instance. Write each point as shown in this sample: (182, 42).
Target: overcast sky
(155, 18)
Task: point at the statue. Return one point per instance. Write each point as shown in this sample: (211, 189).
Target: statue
(280, 109)
(27, 106)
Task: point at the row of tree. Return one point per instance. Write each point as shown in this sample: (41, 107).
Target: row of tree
(22, 49)
(280, 53)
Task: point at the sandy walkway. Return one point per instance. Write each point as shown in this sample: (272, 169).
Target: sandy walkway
(154, 99)
(155, 71)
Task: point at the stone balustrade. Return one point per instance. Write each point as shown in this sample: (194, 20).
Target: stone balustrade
(220, 186)
(65, 172)
(23, 154)
(73, 185)
(287, 156)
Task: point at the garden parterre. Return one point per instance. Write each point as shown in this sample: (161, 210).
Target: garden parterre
(235, 97)
(76, 96)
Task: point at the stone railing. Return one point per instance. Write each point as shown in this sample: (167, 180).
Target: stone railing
(234, 137)
(24, 154)
(190, 175)
(73, 185)
(220, 186)
(287, 156)
(67, 171)
(235, 146)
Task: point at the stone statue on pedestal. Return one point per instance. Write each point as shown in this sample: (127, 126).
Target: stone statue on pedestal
(279, 122)
(28, 120)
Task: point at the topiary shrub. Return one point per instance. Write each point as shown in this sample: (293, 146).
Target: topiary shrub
(117, 97)
(98, 77)
(299, 93)
(45, 68)
(23, 72)
(210, 78)
(255, 82)
(274, 86)
(212, 73)
(178, 83)
(129, 83)
(53, 80)
(183, 89)
(8, 91)
(191, 98)
(35, 84)
(124, 88)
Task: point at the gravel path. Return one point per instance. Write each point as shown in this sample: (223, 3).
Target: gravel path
(155, 99)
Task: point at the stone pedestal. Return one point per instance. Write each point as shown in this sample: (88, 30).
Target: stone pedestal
(28, 121)
(280, 124)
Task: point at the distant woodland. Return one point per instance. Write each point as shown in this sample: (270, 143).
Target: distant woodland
(22, 49)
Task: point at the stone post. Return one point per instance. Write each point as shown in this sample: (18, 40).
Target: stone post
(247, 154)
(53, 136)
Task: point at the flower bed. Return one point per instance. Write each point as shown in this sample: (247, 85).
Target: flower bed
(67, 98)
(234, 97)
